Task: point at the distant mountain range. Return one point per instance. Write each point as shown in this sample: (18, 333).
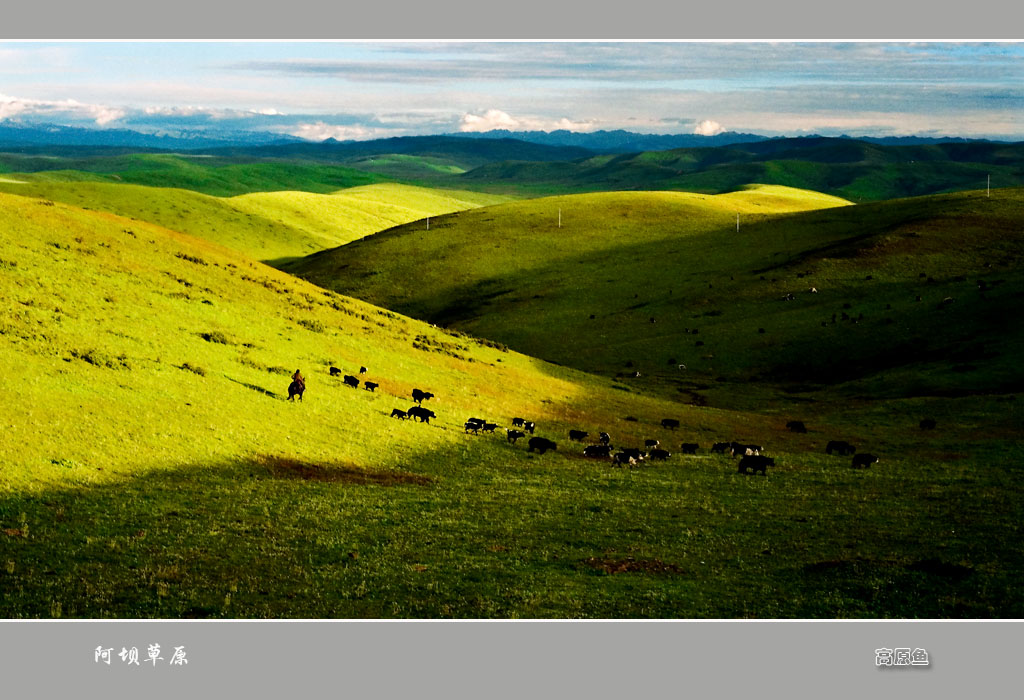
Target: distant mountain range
(17, 135)
(620, 141)
(617, 141)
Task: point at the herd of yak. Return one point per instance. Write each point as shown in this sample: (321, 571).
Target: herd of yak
(752, 461)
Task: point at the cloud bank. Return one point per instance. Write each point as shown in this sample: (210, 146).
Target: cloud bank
(496, 119)
(67, 110)
(708, 128)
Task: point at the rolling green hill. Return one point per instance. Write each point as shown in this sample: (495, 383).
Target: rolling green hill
(644, 282)
(219, 177)
(847, 168)
(309, 167)
(465, 153)
(264, 225)
(851, 169)
(151, 466)
(519, 237)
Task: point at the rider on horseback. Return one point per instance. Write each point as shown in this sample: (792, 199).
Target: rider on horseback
(297, 387)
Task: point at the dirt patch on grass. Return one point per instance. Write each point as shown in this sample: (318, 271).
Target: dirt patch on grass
(337, 472)
(695, 398)
(629, 565)
(947, 456)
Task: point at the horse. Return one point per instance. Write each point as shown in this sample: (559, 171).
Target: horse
(296, 389)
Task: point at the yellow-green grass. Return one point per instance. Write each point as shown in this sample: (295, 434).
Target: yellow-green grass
(347, 215)
(267, 225)
(150, 465)
(519, 237)
(513, 269)
(134, 353)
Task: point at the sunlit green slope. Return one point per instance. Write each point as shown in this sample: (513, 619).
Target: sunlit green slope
(266, 225)
(423, 271)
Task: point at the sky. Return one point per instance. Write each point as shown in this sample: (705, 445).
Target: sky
(355, 90)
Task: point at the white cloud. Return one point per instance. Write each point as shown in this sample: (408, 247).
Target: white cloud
(708, 127)
(319, 131)
(187, 111)
(492, 119)
(568, 125)
(211, 112)
(496, 119)
(12, 107)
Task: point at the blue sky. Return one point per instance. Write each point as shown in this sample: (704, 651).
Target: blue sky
(353, 90)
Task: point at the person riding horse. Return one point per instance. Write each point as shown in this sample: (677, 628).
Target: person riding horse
(297, 387)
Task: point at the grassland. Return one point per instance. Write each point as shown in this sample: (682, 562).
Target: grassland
(264, 225)
(523, 237)
(150, 465)
(212, 175)
(854, 170)
(642, 282)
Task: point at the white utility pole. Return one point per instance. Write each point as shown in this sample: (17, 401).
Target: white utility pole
(428, 223)
(737, 223)
(559, 218)
(988, 186)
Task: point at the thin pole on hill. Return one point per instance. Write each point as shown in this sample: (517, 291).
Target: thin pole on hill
(737, 223)
(559, 218)
(988, 186)
(428, 223)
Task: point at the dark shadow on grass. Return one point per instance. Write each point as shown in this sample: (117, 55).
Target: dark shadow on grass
(479, 528)
(256, 388)
(922, 588)
(172, 541)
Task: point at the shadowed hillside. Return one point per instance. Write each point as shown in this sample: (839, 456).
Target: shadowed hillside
(847, 168)
(909, 298)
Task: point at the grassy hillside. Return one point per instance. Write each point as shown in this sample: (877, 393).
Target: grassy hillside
(465, 153)
(851, 169)
(308, 167)
(150, 465)
(424, 271)
(847, 168)
(265, 225)
(531, 282)
(219, 177)
(643, 282)
(407, 167)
